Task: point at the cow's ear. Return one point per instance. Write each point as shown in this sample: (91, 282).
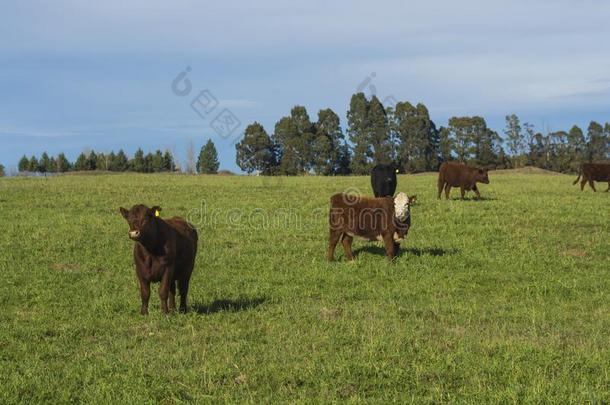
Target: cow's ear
(124, 212)
(412, 199)
(155, 210)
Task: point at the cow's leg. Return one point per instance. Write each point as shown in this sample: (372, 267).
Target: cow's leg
(333, 239)
(582, 184)
(172, 295)
(592, 185)
(462, 192)
(447, 190)
(164, 290)
(145, 295)
(388, 240)
(396, 248)
(441, 184)
(346, 240)
(183, 287)
(476, 191)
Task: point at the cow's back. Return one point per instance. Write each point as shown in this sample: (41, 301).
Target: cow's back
(596, 171)
(455, 174)
(186, 243)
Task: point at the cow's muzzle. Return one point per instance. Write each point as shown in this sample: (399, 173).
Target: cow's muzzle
(135, 235)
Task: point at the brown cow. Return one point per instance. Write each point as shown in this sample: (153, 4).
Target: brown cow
(453, 174)
(386, 219)
(591, 172)
(164, 251)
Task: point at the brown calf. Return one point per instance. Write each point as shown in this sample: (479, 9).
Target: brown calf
(386, 219)
(591, 172)
(453, 174)
(164, 252)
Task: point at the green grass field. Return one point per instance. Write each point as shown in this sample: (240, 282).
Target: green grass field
(501, 300)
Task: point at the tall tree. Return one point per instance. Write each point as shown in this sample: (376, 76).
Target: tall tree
(514, 140)
(472, 140)
(207, 163)
(359, 134)
(24, 164)
(138, 163)
(43, 163)
(2, 173)
(418, 140)
(190, 158)
(294, 137)
(379, 132)
(121, 162)
(156, 164)
(168, 161)
(256, 150)
(63, 165)
(81, 162)
(577, 148)
(597, 147)
(445, 144)
(34, 166)
(327, 144)
(91, 161)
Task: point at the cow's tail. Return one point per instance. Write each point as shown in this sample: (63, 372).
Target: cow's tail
(578, 178)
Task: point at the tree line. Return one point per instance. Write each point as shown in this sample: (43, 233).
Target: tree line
(406, 135)
(156, 162)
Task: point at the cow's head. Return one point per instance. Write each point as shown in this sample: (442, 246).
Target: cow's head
(402, 205)
(481, 176)
(143, 222)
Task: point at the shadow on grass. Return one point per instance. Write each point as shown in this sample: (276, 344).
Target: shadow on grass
(482, 199)
(240, 304)
(378, 250)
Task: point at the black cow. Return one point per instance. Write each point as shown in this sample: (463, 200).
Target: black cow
(383, 180)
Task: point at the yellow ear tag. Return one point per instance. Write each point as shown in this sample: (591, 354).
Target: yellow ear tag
(157, 213)
(396, 170)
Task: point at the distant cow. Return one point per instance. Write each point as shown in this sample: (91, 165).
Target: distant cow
(383, 180)
(385, 219)
(164, 252)
(459, 175)
(591, 172)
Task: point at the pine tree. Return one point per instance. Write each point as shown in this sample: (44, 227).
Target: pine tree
(121, 162)
(24, 164)
(81, 162)
(43, 163)
(207, 163)
(34, 166)
(156, 164)
(63, 165)
(91, 163)
(148, 162)
(256, 150)
(168, 161)
(138, 164)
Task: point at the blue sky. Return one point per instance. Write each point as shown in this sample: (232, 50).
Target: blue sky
(76, 75)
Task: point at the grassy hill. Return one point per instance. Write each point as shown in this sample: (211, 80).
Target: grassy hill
(504, 299)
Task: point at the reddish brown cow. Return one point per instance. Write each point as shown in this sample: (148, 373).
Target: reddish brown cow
(164, 251)
(453, 174)
(591, 172)
(386, 219)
